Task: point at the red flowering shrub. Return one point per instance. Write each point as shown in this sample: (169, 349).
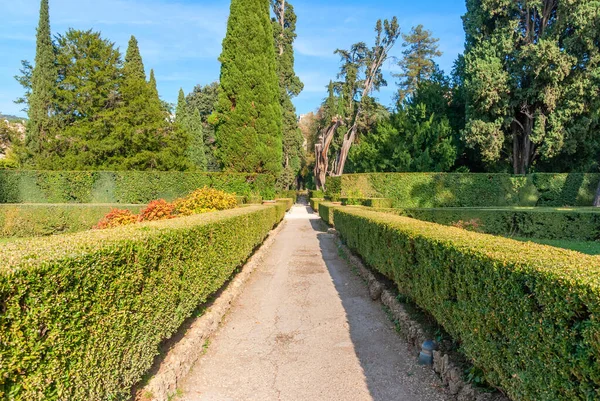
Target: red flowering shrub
(117, 218)
(471, 225)
(157, 210)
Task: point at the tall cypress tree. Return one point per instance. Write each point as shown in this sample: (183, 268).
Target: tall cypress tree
(249, 132)
(284, 29)
(189, 124)
(43, 86)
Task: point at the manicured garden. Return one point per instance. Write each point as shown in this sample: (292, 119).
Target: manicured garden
(517, 286)
(87, 304)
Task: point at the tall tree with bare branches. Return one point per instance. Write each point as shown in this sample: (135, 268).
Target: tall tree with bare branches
(361, 70)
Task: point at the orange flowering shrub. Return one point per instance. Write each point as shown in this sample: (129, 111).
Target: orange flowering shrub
(157, 210)
(205, 200)
(471, 225)
(117, 218)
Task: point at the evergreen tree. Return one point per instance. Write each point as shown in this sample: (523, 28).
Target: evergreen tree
(529, 78)
(189, 124)
(249, 130)
(204, 99)
(284, 29)
(417, 64)
(43, 86)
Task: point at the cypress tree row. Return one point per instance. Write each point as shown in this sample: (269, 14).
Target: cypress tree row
(284, 29)
(249, 131)
(43, 86)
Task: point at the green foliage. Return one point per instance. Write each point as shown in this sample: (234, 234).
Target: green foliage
(189, 125)
(316, 194)
(523, 313)
(427, 190)
(42, 220)
(290, 86)
(417, 64)
(133, 187)
(40, 84)
(413, 139)
(315, 202)
(539, 223)
(334, 189)
(249, 130)
(84, 314)
(204, 99)
(531, 81)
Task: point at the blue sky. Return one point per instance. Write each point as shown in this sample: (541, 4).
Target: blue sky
(182, 39)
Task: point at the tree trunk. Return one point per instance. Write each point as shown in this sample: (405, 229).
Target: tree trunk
(322, 153)
(597, 198)
(345, 150)
(523, 148)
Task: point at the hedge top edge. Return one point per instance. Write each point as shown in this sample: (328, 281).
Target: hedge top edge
(23, 253)
(560, 264)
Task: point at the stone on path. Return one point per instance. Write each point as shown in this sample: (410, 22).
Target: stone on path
(306, 329)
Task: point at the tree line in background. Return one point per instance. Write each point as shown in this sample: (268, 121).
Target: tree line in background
(524, 97)
(89, 108)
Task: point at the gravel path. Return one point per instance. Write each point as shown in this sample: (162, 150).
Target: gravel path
(305, 329)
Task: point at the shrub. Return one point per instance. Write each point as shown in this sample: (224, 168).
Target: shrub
(204, 200)
(541, 223)
(117, 218)
(526, 314)
(83, 314)
(430, 190)
(316, 194)
(128, 187)
(333, 191)
(43, 220)
(158, 210)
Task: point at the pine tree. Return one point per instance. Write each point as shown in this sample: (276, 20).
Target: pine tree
(417, 64)
(142, 120)
(204, 99)
(188, 123)
(249, 131)
(284, 29)
(43, 86)
(531, 81)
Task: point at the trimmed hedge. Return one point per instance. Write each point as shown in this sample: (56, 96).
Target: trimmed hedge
(430, 190)
(369, 202)
(543, 223)
(326, 211)
(25, 220)
(526, 314)
(83, 315)
(316, 194)
(314, 203)
(130, 187)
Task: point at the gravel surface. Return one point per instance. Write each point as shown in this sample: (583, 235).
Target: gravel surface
(306, 329)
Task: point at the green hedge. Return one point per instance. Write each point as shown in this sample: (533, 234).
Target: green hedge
(428, 190)
(314, 203)
(526, 314)
(316, 194)
(543, 223)
(334, 189)
(83, 315)
(326, 212)
(27, 220)
(369, 202)
(17, 186)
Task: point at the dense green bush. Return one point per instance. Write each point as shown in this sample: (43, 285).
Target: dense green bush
(40, 220)
(314, 203)
(316, 194)
(326, 212)
(542, 223)
(83, 314)
(334, 189)
(526, 314)
(18, 186)
(427, 190)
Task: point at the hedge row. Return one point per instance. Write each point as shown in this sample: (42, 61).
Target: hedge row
(83, 314)
(381, 203)
(41, 220)
(326, 211)
(122, 187)
(543, 223)
(526, 314)
(429, 190)
(314, 203)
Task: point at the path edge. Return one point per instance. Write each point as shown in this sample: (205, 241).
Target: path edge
(413, 332)
(182, 357)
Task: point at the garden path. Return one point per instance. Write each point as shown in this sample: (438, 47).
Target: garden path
(305, 329)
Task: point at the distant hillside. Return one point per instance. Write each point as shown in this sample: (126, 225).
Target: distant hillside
(11, 118)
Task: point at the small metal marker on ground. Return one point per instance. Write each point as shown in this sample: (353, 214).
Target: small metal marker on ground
(426, 354)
